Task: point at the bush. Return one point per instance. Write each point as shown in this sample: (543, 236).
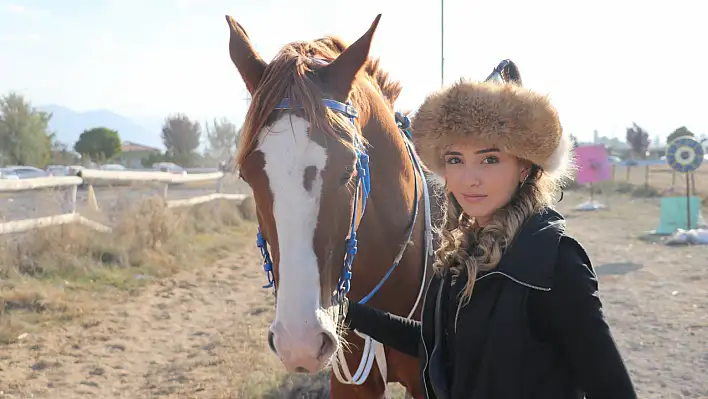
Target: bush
(53, 272)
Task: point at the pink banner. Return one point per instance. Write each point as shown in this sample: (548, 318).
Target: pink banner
(593, 165)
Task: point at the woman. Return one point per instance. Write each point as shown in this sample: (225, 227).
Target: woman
(529, 323)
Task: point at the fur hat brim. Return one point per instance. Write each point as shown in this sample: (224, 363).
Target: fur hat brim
(486, 114)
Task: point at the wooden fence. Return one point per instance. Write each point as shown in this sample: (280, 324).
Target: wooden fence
(90, 177)
(661, 177)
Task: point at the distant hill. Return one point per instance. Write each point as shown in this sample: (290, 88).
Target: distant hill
(69, 124)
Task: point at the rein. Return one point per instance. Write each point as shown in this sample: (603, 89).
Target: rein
(372, 349)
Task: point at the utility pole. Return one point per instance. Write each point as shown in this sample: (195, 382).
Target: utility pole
(442, 43)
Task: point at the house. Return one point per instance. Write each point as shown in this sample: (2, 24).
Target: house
(132, 154)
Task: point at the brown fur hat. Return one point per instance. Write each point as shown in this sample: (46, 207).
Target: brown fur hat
(488, 114)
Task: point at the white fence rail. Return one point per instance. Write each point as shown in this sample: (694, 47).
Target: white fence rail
(90, 177)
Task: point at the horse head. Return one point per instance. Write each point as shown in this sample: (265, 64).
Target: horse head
(303, 151)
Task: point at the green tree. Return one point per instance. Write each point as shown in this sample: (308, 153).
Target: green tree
(99, 143)
(24, 132)
(680, 132)
(180, 135)
(221, 139)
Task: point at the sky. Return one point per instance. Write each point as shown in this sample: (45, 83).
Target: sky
(605, 64)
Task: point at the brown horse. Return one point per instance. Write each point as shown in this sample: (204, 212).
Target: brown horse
(333, 174)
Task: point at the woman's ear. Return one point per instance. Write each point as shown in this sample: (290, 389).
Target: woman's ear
(525, 170)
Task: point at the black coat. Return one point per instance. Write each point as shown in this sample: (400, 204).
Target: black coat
(533, 328)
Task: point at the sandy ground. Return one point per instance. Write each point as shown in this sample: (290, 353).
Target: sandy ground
(201, 334)
(170, 341)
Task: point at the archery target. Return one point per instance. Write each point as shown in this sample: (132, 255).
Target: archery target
(685, 154)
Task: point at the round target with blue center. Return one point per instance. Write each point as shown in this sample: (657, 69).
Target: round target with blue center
(685, 154)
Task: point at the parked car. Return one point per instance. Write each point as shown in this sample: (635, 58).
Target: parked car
(8, 175)
(112, 166)
(169, 167)
(23, 172)
(57, 170)
(614, 159)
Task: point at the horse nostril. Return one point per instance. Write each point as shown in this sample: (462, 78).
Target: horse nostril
(328, 345)
(271, 344)
(301, 370)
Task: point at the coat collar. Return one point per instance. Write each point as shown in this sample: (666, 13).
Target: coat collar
(531, 257)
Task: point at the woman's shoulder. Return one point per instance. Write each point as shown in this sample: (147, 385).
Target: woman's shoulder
(568, 248)
(571, 251)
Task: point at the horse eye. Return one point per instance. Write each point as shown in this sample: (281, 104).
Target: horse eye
(349, 173)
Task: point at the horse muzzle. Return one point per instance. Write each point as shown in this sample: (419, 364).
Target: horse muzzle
(305, 351)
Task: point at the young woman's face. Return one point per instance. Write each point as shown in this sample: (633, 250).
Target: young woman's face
(483, 179)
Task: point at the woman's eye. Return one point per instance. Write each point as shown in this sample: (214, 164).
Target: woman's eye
(490, 160)
(453, 160)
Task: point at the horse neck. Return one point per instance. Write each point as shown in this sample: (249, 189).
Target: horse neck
(387, 219)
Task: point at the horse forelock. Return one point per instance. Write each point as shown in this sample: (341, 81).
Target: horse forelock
(288, 76)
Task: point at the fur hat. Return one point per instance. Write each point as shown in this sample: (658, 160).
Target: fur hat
(506, 116)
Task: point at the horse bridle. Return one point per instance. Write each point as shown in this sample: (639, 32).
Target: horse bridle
(362, 190)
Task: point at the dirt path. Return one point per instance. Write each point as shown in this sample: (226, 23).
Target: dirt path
(167, 342)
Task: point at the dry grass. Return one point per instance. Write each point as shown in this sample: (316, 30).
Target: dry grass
(58, 273)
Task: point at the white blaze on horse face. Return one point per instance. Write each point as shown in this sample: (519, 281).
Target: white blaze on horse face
(288, 152)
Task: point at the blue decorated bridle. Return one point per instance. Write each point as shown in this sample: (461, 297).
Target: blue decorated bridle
(363, 186)
(362, 189)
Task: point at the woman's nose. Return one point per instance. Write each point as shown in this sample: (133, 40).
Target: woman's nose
(472, 178)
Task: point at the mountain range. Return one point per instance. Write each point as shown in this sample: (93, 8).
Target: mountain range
(69, 124)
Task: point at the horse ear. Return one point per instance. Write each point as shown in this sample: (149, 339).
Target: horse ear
(249, 64)
(340, 74)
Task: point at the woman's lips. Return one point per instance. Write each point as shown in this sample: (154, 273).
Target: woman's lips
(474, 197)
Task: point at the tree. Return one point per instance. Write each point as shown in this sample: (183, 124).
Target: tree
(61, 155)
(680, 132)
(99, 143)
(153, 158)
(638, 140)
(180, 135)
(221, 139)
(24, 135)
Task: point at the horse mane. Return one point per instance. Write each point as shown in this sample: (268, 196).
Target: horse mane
(288, 76)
